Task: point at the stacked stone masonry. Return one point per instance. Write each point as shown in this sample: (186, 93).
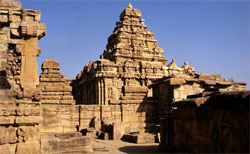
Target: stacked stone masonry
(20, 113)
(55, 87)
(212, 122)
(180, 86)
(128, 92)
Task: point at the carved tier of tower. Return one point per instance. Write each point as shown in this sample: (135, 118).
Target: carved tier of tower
(131, 40)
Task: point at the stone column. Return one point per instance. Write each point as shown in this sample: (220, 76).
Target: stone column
(29, 69)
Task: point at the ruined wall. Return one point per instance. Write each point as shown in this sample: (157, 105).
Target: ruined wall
(70, 143)
(180, 86)
(58, 111)
(56, 88)
(59, 118)
(217, 122)
(134, 117)
(90, 116)
(20, 113)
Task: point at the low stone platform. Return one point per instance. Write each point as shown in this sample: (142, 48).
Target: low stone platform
(65, 143)
(139, 138)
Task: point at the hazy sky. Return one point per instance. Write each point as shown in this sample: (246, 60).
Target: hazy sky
(213, 36)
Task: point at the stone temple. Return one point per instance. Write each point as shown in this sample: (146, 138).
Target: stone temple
(129, 94)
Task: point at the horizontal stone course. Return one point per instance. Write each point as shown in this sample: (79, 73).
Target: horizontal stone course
(205, 127)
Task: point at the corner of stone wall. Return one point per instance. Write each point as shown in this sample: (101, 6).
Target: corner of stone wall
(20, 113)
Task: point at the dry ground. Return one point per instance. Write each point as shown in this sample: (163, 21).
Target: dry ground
(121, 147)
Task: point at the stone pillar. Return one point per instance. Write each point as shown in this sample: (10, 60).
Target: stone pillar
(29, 70)
(31, 31)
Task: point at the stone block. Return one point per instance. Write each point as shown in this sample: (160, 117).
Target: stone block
(28, 111)
(7, 120)
(210, 82)
(66, 102)
(177, 81)
(4, 137)
(8, 149)
(104, 136)
(28, 120)
(146, 138)
(4, 18)
(28, 148)
(139, 138)
(106, 114)
(74, 144)
(49, 101)
(69, 128)
(68, 135)
(28, 133)
(105, 108)
(8, 111)
(54, 88)
(12, 134)
(116, 114)
(118, 130)
(67, 88)
(132, 89)
(51, 128)
(11, 4)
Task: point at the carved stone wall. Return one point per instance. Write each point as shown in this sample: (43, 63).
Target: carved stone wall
(179, 87)
(20, 113)
(73, 143)
(55, 87)
(58, 111)
(216, 122)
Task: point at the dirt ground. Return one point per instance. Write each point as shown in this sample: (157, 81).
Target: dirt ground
(121, 147)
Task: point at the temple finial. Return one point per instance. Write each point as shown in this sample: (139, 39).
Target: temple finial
(186, 63)
(129, 5)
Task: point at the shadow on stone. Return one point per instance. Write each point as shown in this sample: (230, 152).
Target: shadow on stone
(140, 149)
(4, 84)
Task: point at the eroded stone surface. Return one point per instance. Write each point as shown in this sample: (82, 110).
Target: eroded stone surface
(66, 143)
(129, 90)
(218, 122)
(20, 113)
(55, 87)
